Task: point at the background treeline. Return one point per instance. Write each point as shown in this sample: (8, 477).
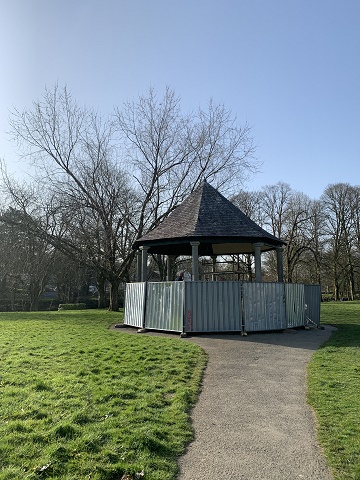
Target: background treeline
(96, 184)
(322, 236)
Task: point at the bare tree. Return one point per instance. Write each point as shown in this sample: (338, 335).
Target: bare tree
(340, 204)
(288, 214)
(356, 216)
(71, 146)
(296, 221)
(171, 154)
(315, 234)
(26, 260)
(275, 204)
(250, 204)
(104, 192)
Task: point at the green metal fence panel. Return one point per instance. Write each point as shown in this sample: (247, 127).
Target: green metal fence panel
(295, 304)
(213, 306)
(134, 307)
(165, 306)
(221, 306)
(312, 304)
(264, 307)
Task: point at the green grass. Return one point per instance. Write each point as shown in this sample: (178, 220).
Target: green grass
(81, 401)
(334, 389)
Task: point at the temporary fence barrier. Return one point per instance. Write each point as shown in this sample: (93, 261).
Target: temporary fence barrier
(312, 304)
(221, 306)
(134, 308)
(165, 306)
(213, 306)
(264, 307)
(295, 304)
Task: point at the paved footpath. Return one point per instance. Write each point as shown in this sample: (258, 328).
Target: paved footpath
(252, 421)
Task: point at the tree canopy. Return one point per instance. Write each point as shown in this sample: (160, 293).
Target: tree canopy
(107, 181)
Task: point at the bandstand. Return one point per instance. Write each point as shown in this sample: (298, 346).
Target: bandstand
(208, 225)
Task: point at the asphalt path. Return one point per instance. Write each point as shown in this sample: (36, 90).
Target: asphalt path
(252, 421)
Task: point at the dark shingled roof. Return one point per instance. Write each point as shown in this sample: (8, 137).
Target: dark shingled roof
(208, 217)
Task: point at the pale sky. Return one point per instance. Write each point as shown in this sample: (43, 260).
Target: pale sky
(289, 68)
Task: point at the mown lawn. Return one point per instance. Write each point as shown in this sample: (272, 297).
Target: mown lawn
(81, 401)
(334, 389)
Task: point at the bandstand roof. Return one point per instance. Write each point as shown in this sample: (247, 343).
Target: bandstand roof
(207, 217)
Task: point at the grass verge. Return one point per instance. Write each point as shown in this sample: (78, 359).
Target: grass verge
(81, 401)
(334, 389)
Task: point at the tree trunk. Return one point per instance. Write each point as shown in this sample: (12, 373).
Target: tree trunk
(101, 292)
(34, 296)
(249, 268)
(289, 268)
(114, 295)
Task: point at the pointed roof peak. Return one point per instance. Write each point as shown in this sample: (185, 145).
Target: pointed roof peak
(208, 217)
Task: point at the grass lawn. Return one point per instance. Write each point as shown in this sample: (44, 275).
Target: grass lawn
(80, 401)
(334, 389)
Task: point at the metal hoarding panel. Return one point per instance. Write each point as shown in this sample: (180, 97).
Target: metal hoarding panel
(134, 304)
(312, 302)
(165, 306)
(295, 304)
(264, 307)
(213, 306)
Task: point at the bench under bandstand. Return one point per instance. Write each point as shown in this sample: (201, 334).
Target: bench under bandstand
(206, 224)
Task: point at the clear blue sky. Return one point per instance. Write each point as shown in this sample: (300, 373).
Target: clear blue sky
(290, 68)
